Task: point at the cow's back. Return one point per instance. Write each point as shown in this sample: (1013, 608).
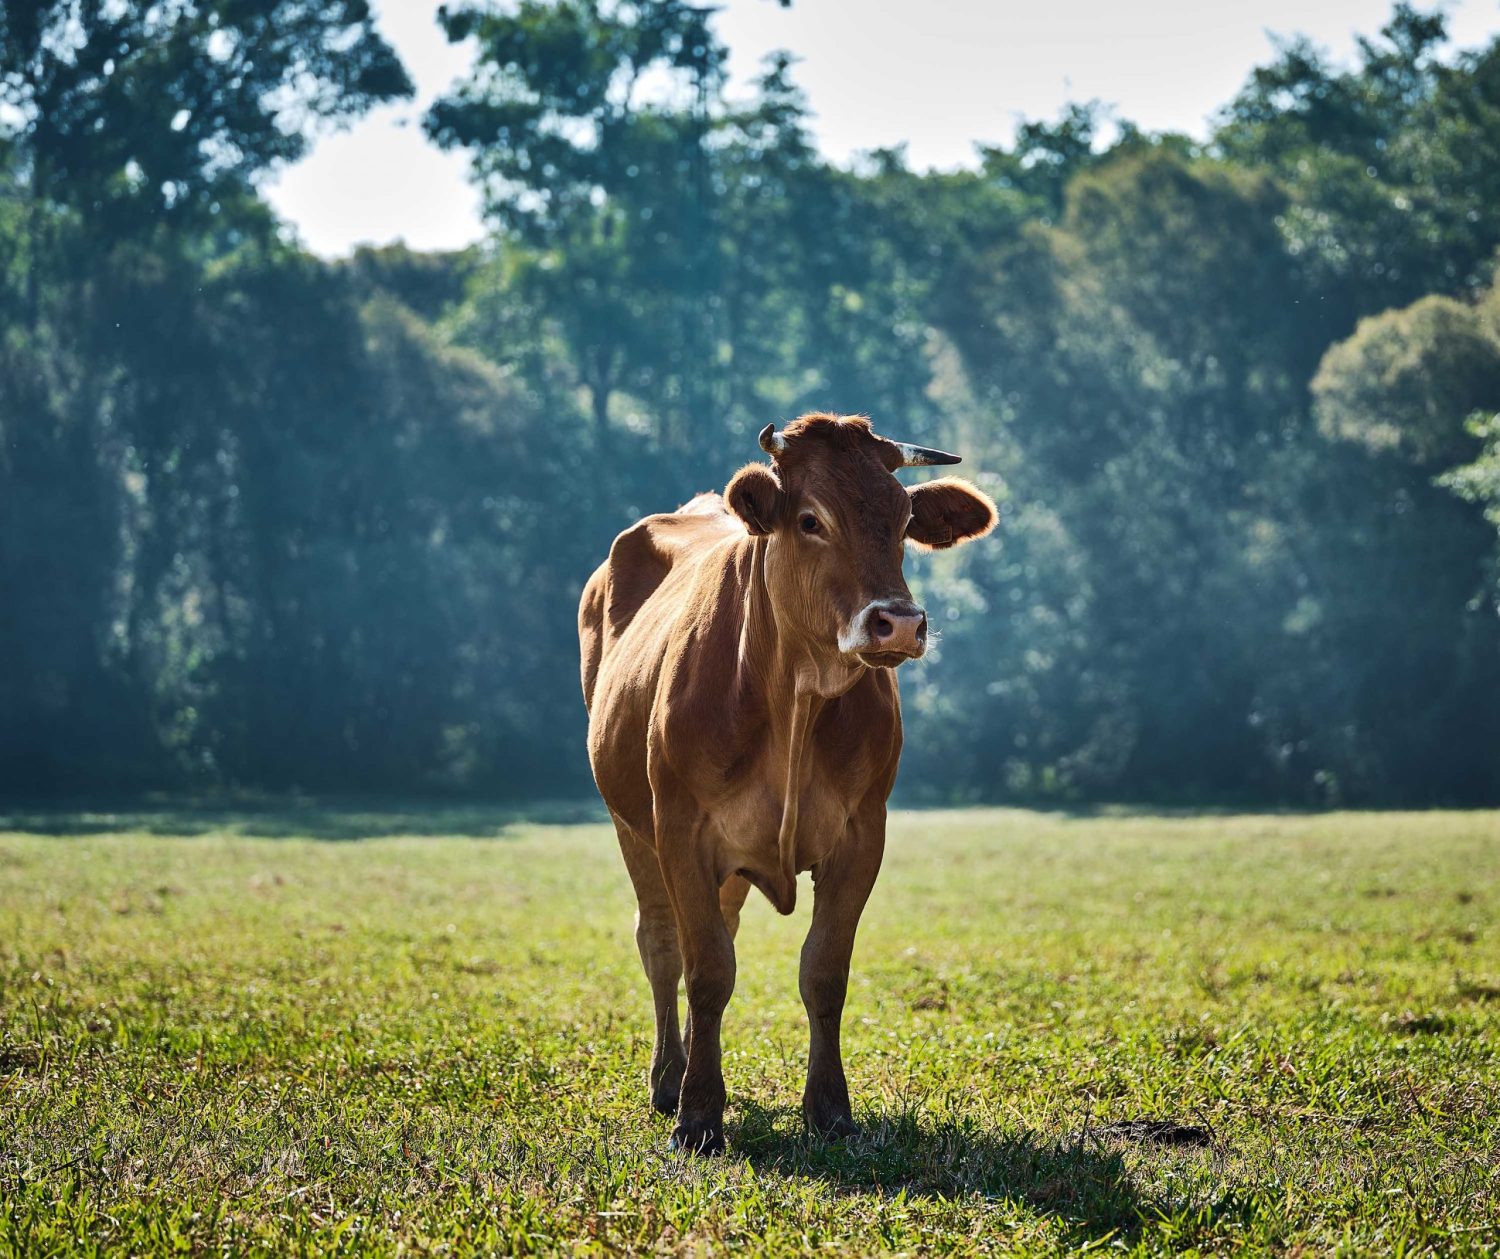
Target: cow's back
(640, 561)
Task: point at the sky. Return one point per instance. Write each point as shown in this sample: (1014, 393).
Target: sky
(937, 76)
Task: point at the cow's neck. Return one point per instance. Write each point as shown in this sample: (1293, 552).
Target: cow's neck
(801, 677)
(788, 665)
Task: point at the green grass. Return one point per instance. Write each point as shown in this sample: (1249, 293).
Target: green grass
(229, 1033)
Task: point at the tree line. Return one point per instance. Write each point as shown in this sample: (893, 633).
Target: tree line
(275, 522)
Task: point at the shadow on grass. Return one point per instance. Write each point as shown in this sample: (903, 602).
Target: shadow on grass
(288, 819)
(1087, 1188)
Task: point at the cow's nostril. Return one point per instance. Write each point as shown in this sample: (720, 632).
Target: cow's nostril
(883, 628)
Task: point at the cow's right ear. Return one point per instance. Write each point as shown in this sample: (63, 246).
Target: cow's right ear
(754, 495)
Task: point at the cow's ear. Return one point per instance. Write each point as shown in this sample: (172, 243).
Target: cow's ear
(754, 495)
(948, 511)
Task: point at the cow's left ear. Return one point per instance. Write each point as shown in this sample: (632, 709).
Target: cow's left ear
(948, 511)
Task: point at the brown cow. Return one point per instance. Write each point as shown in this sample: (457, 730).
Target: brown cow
(738, 665)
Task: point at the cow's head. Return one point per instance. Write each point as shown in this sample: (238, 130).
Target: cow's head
(837, 523)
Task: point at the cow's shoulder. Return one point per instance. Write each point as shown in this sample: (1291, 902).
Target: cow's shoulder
(642, 557)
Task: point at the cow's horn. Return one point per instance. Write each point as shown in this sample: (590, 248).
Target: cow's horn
(923, 456)
(772, 442)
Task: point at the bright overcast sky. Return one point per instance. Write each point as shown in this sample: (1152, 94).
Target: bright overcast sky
(936, 76)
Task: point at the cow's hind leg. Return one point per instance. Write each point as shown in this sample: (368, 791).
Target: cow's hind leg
(656, 938)
(841, 885)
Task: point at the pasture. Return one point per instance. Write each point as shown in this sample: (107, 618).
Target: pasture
(341, 1032)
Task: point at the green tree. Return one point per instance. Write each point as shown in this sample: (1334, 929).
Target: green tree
(272, 521)
(1387, 164)
(1408, 379)
(1479, 481)
(1045, 156)
(1408, 644)
(605, 191)
(129, 136)
(134, 111)
(1146, 356)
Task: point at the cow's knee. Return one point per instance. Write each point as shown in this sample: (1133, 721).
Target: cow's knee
(710, 987)
(824, 989)
(657, 941)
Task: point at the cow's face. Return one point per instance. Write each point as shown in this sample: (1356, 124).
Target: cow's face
(837, 523)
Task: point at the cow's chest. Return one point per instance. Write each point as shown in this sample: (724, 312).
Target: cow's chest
(748, 818)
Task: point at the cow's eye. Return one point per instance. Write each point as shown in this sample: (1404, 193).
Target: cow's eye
(808, 522)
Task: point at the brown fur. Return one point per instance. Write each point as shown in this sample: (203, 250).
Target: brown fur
(737, 745)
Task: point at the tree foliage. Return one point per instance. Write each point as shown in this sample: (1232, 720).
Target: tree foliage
(275, 522)
(133, 109)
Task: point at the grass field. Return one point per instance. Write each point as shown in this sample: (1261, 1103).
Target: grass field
(328, 1032)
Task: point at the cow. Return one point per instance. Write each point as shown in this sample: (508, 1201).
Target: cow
(738, 660)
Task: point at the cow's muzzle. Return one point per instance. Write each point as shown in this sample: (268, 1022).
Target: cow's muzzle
(887, 632)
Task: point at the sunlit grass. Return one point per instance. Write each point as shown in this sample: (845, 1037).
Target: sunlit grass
(223, 1036)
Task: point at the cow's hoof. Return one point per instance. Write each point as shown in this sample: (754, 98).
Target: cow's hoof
(834, 1127)
(697, 1138)
(666, 1091)
(664, 1097)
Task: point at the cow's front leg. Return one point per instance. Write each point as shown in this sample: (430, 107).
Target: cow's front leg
(708, 960)
(841, 884)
